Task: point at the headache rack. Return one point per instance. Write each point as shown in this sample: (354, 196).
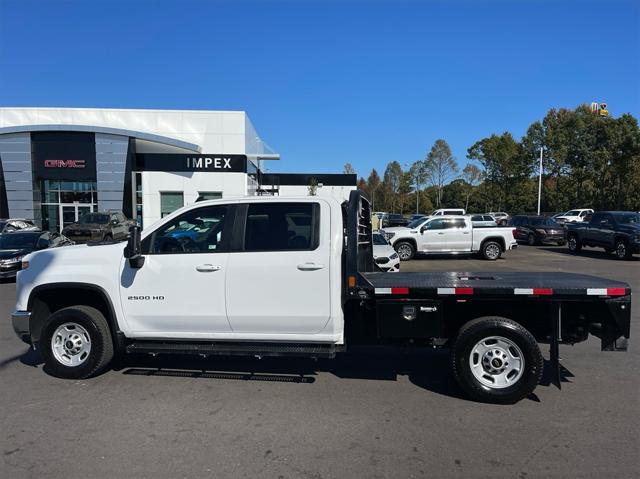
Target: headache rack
(359, 243)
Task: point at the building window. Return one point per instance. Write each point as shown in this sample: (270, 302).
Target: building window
(209, 195)
(139, 199)
(170, 201)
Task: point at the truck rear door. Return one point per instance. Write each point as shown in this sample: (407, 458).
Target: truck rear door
(278, 276)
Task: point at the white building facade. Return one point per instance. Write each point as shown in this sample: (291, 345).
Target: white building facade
(59, 163)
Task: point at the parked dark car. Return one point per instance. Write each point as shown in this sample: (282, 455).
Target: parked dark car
(16, 224)
(394, 219)
(104, 226)
(537, 230)
(617, 231)
(15, 245)
(412, 218)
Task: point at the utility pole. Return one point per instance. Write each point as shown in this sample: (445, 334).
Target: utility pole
(540, 182)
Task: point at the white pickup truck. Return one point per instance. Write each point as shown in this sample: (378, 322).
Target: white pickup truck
(450, 235)
(280, 276)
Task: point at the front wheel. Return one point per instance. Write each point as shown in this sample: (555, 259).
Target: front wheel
(491, 250)
(531, 240)
(496, 360)
(76, 342)
(574, 245)
(622, 250)
(405, 250)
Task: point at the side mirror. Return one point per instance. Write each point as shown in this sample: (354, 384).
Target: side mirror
(423, 229)
(132, 250)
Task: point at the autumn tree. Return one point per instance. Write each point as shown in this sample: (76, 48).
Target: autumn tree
(440, 166)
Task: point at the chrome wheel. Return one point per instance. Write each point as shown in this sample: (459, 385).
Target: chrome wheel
(496, 362)
(573, 243)
(492, 251)
(621, 250)
(405, 252)
(70, 344)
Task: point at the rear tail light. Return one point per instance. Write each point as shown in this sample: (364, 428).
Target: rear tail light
(513, 233)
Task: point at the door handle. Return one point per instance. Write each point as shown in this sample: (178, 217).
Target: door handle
(466, 233)
(440, 233)
(206, 268)
(310, 266)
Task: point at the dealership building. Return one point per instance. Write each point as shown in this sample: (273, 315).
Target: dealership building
(57, 164)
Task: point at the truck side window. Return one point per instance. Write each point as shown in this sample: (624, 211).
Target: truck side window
(282, 227)
(196, 231)
(436, 224)
(456, 223)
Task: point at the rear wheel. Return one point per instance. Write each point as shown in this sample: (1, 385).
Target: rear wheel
(496, 360)
(491, 250)
(622, 250)
(574, 245)
(405, 250)
(76, 342)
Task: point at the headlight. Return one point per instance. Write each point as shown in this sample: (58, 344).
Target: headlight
(541, 231)
(388, 236)
(395, 255)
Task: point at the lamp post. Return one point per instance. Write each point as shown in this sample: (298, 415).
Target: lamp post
(540, 182)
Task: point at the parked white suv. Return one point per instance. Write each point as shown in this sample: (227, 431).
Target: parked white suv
(451, 235)
(573, 216)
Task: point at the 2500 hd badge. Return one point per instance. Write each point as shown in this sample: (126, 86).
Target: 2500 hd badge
(145, 298)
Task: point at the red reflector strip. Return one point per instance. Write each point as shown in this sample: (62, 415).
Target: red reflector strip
(542, 291)
(616, 291)
(399, 290)
(464, 290)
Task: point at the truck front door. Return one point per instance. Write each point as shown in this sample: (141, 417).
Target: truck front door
(279, 274)
(180, 290)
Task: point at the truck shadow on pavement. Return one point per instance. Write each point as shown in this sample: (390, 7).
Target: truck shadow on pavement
(427, 369)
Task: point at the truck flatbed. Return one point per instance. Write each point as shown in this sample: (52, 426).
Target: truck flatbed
(494, 283)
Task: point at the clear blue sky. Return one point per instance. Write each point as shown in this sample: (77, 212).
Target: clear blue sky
(329, 82)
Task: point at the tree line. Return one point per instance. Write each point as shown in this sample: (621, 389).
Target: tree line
(589, 161)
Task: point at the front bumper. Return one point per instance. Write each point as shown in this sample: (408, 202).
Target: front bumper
(20, 322)
(10, 271)
(552, 239)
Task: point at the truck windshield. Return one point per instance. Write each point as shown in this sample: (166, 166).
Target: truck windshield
(627, 218)
(416, 223)
(379, 239)
(94, 218)
(542, 222)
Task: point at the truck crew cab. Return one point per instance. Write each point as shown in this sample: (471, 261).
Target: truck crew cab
(295, 276)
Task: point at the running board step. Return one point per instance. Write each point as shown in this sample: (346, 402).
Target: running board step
(236, 349)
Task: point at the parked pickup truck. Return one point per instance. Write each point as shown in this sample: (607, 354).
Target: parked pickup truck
(617, 231)
(255, 283)
(450, 235)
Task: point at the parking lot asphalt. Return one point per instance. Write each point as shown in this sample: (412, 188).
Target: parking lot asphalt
(369, 414)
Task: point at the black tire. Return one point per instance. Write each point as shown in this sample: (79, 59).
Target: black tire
(101, 351)
(622, 250)
(405, 250)
(574, 244)
(494, 326)
(491, 250)
(531, 240)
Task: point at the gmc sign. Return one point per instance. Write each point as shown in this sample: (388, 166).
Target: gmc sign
(64, 163)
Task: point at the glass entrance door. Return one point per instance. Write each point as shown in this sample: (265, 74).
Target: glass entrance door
(70, 213)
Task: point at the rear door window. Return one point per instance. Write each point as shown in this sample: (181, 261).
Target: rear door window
(282, 227)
